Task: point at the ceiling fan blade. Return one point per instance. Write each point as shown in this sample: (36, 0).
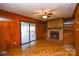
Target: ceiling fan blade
(50, 13)
(48, 16)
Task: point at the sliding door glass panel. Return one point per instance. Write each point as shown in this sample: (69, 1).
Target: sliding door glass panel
(32, 32)
(24, 32)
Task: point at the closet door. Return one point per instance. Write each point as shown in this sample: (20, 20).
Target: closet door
(24, 32)
(32, 32)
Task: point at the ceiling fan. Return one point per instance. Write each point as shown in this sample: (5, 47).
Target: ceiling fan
(44, 14)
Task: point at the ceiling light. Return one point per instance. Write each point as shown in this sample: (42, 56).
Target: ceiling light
(44, 16)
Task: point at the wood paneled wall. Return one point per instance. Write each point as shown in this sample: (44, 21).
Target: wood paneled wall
(68, 32)
(13, 30)
(42, 30)
(76, 30)
(69, 38)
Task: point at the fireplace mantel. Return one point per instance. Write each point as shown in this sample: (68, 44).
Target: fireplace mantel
(54, 28)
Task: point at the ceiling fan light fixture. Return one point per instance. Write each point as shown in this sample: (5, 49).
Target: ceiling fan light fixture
(44, 16)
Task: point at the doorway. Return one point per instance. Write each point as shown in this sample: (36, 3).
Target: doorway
(28, 32)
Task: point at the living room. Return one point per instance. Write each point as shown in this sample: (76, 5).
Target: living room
(40, 29)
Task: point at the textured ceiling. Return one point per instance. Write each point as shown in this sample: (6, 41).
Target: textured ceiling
(31, 9)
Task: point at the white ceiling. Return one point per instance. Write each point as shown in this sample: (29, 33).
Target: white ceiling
(31, 9)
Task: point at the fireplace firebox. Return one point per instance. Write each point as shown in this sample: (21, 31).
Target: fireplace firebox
(54, 35)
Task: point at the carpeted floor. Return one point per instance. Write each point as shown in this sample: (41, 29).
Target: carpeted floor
(42, 48)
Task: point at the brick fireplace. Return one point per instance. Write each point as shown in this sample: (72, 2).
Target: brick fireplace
(55, 34)
(55, 29)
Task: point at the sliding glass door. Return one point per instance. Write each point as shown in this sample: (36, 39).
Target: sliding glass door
(32, 32)
(28, 32)
(24, 32)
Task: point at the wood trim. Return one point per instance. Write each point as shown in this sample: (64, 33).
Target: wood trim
(75, 10)
(20, 35)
